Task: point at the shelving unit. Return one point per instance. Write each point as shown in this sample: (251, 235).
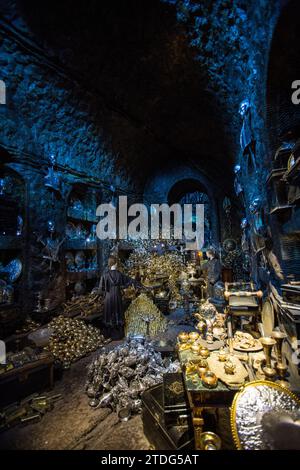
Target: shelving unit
(278, 191)
(293, 173)
(12, 247)
(81, 240)
(284, 196)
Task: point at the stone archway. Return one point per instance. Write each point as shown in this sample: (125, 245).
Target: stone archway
(167, 185)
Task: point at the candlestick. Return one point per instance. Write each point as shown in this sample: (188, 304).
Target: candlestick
(279, 337)
(268, 344)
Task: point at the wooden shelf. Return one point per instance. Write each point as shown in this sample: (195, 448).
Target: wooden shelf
(88, 199)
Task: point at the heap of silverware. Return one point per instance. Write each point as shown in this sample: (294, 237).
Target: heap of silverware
(117, 378)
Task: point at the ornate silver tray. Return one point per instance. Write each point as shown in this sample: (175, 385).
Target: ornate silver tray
(250, 405)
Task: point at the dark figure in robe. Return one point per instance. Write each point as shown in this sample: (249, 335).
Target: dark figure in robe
(111, 283)
(213, 269)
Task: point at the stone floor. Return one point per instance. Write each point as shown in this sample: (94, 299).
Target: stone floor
(73, 424)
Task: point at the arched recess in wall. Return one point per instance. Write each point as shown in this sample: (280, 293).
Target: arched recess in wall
(191, 191)
(174, 184)
(283, 125)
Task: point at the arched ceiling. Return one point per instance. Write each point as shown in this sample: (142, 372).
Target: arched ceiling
(136, 56)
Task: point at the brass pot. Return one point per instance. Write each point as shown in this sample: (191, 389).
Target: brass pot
(229, 367)
(204, 352)
(183, 337)
(209, 379)
(195, 348)
(222, 356)
(193, 335)
(202, 367)
(191, 368)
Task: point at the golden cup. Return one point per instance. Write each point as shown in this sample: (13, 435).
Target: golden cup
(209, 441)
(184, 346)
(284, 383)
(201, 326)
(281, 369)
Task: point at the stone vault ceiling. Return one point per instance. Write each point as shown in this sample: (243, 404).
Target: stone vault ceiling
(167, 75)
(136, 55)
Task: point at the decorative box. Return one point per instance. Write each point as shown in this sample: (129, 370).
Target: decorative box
(160, 436)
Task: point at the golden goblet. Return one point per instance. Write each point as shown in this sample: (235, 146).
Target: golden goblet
(209, 441)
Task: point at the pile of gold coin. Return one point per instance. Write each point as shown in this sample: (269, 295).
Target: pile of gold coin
(143, 317)
(72, 339)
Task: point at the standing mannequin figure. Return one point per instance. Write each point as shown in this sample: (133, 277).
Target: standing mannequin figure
(111, 283)
(213, 269)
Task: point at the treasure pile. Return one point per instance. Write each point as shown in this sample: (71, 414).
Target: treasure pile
(19, 359)
(144, 318)
(30, 410)
(84, 306)
(152, 266)
(116, 379)
(72, 339)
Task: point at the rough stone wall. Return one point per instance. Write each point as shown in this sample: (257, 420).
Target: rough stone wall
(235, 43)
(232, 39)
(47, 113)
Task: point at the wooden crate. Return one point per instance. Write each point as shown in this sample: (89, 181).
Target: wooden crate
(21, 382)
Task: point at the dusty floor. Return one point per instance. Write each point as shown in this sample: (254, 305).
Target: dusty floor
(73, 424)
